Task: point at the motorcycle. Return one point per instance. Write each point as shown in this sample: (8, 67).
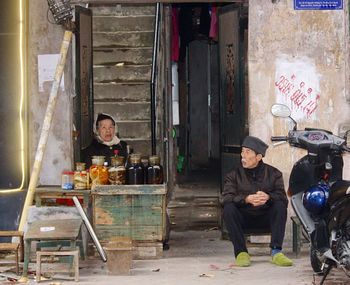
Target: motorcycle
(319, 195)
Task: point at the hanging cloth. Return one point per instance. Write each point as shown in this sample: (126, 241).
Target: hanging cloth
(213, 32)
(175, 42)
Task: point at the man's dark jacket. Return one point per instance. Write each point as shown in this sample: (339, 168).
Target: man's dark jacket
(241, 182)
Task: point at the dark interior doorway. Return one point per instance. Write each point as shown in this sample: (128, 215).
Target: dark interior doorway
(213, 86)
(212, 92)
(198, 73)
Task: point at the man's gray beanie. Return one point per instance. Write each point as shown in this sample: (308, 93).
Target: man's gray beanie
(255, 144)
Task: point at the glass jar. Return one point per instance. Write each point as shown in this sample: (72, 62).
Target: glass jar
(134, 170)
(67, 180)
(145, 164)
(81, 177)
(117, 171)
(98, 171)
(80, 166)
(154, 170)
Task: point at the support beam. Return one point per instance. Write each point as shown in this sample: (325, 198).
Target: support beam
(45, 129)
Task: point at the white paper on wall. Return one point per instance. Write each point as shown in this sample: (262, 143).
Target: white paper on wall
(47, 64)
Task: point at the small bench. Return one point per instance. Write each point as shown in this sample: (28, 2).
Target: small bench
(16, 247)
(74, 253)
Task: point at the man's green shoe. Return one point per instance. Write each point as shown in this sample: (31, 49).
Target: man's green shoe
(243, 259)
(281, 260)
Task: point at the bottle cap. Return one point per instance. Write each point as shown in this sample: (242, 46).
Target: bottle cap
(154, 159)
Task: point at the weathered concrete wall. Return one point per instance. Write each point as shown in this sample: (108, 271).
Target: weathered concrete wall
(299, 58)
(46, 38)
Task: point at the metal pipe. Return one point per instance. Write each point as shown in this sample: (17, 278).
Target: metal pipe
(90, 229)
(153, 82)
(45, 128)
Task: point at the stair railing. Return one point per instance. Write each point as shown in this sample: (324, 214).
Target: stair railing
(153, 80)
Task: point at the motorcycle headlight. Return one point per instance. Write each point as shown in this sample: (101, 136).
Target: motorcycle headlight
(315, 198)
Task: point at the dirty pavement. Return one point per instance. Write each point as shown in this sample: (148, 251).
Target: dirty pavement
(197, 257)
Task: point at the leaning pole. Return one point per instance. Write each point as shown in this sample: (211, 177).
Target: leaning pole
(45, 128)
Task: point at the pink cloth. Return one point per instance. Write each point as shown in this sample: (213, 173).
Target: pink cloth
(175, 42)
(213, 32)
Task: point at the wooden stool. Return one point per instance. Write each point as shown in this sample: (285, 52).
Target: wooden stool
(13, 246)
(74, 253)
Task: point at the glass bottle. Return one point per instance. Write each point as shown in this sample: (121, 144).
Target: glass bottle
(154, 170)
(98, 171)
(117, 171)
(81, 177)
(135, 170)
(145, 164)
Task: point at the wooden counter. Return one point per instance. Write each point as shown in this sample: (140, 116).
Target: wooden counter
(136, 211)
(56, 192)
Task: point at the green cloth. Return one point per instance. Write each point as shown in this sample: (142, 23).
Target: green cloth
(281, 260)
(243, 259)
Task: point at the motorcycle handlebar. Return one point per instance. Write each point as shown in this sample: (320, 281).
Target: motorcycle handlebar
(279, 138)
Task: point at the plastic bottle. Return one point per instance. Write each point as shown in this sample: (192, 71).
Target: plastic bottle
(67, 180)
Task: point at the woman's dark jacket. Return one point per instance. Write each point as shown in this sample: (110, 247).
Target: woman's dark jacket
(97, 148)
(241, 182)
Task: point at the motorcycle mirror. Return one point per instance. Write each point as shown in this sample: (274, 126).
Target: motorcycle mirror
(283, 111)
(280, 110)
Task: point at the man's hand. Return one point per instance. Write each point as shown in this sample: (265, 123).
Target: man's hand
(257, 199)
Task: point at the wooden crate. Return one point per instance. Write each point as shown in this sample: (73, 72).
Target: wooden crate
(136, 211)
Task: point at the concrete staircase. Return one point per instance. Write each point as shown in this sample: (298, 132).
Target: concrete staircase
(195, 204)
(123, 44)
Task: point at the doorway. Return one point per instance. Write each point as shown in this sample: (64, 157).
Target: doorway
(209, 107)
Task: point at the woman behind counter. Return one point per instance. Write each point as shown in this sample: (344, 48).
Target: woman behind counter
(106, 142)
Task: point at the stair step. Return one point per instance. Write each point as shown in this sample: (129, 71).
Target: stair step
(106, 74)
(123, 39)
(192, 201)
(122, 92)
(124, 10)
(123, 23)
(193, 218)
(135, 129)
(128, 56)
(121, 111)
(140, 146)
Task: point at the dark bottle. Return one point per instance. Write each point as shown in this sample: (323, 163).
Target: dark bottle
(134, 171)
(145, 164)
(154, 170)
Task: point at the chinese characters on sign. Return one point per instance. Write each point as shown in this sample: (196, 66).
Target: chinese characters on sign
(318, 4)
(297, 85)
(301, 96)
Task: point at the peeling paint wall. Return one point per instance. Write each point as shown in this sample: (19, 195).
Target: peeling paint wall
(46, 38)
(299, 58)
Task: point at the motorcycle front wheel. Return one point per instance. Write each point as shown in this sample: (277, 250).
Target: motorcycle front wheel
(316, 264)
